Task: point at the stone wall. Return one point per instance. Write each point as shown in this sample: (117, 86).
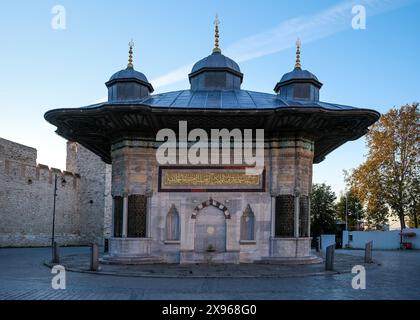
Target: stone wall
(27, 195)
(291, 176)
(291, 164)
(95, 196)
(26, 200)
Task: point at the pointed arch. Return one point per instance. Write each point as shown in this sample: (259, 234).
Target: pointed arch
(213, 203)
(248, 224)
(172, 224)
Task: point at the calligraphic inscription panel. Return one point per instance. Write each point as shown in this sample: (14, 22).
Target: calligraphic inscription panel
(204, 179)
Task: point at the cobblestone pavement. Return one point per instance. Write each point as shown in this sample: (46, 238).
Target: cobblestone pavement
(23, 276)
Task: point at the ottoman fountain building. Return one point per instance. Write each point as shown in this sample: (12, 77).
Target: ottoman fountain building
(187, 213)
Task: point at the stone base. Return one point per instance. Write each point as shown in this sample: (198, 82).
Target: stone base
(130, 251)
(133, 260)
(129, 247)
(290, 251)
(209, 257)
(290, 261)
(290, 247)
(138, 251)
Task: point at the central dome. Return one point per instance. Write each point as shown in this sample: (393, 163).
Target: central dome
(216, 60)
(216, 72)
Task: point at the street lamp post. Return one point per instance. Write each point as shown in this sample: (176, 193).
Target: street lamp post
(53, 222)
(358, 217)
(347, 214)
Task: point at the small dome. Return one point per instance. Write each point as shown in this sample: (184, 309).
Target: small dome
(128, 84)
(216, 61)
(128, 73)
(298, 84)
(298, 74)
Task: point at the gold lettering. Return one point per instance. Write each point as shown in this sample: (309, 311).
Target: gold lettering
(227, 178)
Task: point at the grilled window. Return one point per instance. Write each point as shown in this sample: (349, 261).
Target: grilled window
(118, 216)
(137, 216)
(284, 216)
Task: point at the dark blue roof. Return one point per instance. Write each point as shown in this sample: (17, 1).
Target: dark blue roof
(216, 60)
(129, 73)
(225, 99)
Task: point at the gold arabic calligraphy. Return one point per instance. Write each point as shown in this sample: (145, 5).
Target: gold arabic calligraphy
(210, 179)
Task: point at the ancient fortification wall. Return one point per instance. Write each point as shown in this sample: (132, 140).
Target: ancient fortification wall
(26, 198)
(95, 199)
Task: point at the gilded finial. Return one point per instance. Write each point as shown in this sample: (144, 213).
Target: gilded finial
(216, 34)
(298, 44)
(130, 54)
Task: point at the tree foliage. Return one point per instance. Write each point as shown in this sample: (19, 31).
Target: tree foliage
(389, 178)
(354, 208)
(323, 218)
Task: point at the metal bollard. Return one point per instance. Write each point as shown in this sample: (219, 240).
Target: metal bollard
(329, 260)
(368, 252)
(94, 258)
(56, 253)
(318, 244)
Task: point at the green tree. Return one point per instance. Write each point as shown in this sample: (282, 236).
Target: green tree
(323, 218)
(389, 176)
(354, 207)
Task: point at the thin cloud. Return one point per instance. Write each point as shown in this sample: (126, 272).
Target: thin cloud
(308, 28)
(173, 76)
(282, 37)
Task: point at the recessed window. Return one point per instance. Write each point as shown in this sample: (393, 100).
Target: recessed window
(172, 224)
(248, 224)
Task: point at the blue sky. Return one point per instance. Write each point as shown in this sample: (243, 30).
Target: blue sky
(42, 68)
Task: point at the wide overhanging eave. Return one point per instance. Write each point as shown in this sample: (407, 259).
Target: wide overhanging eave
(94, 128)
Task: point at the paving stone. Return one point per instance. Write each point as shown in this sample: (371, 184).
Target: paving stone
(23, 276)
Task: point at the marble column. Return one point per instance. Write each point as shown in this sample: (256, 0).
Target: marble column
(296, 216)
(125, 217)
